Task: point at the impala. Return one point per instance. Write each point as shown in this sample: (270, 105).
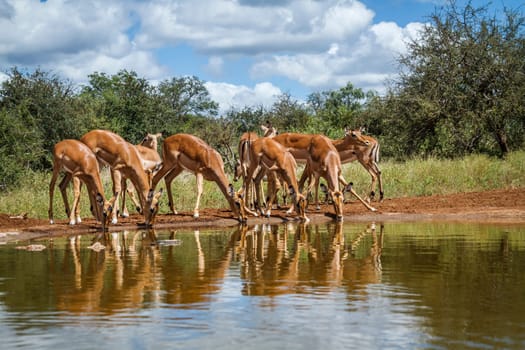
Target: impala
(324, 161)
(150, 160)
(79, 164)
(123, 159)
(267, 155)
(299, 146)
(243, 163)
(187, 152)
(366, 153)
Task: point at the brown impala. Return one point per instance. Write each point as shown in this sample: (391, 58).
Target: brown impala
(324, 161)
(79, 163)
(187, 152)
(298, 145)
(123, 159)
(150, 160)
(267, 155)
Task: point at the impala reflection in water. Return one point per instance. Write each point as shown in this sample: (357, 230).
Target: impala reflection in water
(300, 257)
(126, 270)
(402, 285)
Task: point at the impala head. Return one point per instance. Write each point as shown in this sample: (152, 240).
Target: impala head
(152, 206)
(268, 130)
(238, 201)
(151, 140)
(356, 136)
(238, 170)
(338, 198)
(105, 208)
(300, 203)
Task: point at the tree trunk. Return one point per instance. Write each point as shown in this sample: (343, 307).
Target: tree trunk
(501, 139)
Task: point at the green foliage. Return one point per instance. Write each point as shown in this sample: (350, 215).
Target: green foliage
(46, 106)
(21, 146)
(288, 114)
(461, 87)
(337, 109)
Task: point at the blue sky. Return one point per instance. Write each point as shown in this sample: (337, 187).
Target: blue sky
(247, 51)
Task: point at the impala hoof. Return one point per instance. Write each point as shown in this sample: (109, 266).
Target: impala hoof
(114, 221)
(195, 215)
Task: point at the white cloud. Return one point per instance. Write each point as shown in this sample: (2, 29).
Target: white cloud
(223, 26)
(215, 65)
(72, 38)
(319, 44)
(3, 77)
(237, 96)
(366, 62)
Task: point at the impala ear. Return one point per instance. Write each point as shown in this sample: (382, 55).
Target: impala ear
(231, 190)
(100, 199)
(348, 187)
(158, 194)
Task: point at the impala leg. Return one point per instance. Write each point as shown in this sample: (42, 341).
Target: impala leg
(284, 194)
(257, 182)
(130, 190)
(380, 181)
(116, 176)
(200, 183)
(123, 207)
(63, 191)
(351, 190)
(246, 187)
(272, 188)
(168, 180)
(77, 188)
(372, 184)
(317, 205)
(76, 198)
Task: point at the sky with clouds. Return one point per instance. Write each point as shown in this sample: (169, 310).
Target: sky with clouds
(247, 51)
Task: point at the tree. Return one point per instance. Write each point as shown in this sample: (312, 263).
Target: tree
(127, 102)
(21, 147)
(288, 114)
(45, 106)
(462, 83)
(337, 109)
(184, 98)
(247, 119)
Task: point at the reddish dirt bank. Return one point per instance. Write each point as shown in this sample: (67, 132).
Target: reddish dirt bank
(497, 206)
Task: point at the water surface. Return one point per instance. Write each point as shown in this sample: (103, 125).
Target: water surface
(295, 286)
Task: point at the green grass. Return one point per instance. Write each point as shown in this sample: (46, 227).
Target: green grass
(415, 177)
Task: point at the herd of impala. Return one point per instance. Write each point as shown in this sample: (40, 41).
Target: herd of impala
(272, 156)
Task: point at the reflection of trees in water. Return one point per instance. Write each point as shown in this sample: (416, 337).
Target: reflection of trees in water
(300, 257)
